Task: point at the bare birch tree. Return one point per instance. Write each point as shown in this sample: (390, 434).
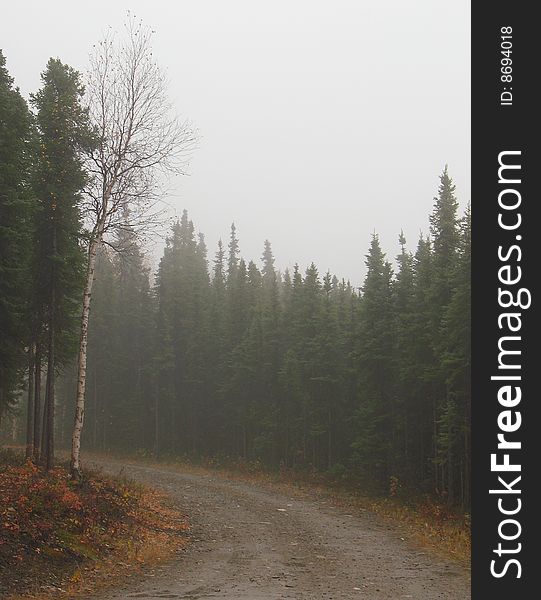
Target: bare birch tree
(137, 140)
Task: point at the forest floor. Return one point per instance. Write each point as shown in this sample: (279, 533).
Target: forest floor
(257, 539)
(62, 539)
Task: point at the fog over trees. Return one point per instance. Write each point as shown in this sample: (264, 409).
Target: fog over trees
(226, 356)
(216, 355)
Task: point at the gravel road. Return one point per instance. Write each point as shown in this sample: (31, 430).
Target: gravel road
(253, 543)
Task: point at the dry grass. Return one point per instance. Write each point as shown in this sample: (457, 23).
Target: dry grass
(431, 525)
(59, 538)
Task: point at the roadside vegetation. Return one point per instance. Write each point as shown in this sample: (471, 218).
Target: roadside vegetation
(58, 535)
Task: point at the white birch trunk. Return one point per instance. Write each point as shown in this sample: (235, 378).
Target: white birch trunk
(81, 361)
(136, 139)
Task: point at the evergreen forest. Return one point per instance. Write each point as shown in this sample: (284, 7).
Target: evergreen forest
(214, 354)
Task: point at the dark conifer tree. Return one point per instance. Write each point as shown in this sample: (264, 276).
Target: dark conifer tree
(374, 441)
(455, 352)
(216, 351)
(233, 256)
(404, 309)
(17, 206)
(445, 236)
(62, 133)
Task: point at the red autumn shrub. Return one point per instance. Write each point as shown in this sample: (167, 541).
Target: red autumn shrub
(48, 511)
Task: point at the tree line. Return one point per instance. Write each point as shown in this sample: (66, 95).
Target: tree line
(211, 356)
(295, 369)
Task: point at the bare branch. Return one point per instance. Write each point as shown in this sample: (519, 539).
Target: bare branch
(138, 140)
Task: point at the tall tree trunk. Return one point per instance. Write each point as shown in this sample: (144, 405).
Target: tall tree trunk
(287, 443)
(44, 422)
(467, 450)
(95, 396)
(62, 428)
(14, 428)
(47, 446)
(329, 439)
(157, 424)
(304, 436)
(37, 403)
(81, 361)
(48, 418)
(244, 442)
(30, 408)
(194, 430)
(435, 446)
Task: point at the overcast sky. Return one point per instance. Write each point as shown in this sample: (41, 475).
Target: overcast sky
(320, 121)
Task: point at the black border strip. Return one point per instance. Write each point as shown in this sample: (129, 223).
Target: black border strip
(498, 128)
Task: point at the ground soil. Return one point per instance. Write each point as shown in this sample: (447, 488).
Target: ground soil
(252, 542)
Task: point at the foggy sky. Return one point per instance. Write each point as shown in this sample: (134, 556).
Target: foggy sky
(320, 121)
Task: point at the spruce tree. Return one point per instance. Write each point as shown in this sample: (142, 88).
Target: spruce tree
(455, 352)
(63, 132)
(374, 442)
(404, 310)
(445, 236)
(17, 206)
(233, 256)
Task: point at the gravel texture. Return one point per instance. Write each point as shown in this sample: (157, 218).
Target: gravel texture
(254, 543)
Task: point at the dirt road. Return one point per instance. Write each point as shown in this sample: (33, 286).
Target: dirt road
(250, 543)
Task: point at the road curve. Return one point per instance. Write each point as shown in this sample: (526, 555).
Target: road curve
(252, 543)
